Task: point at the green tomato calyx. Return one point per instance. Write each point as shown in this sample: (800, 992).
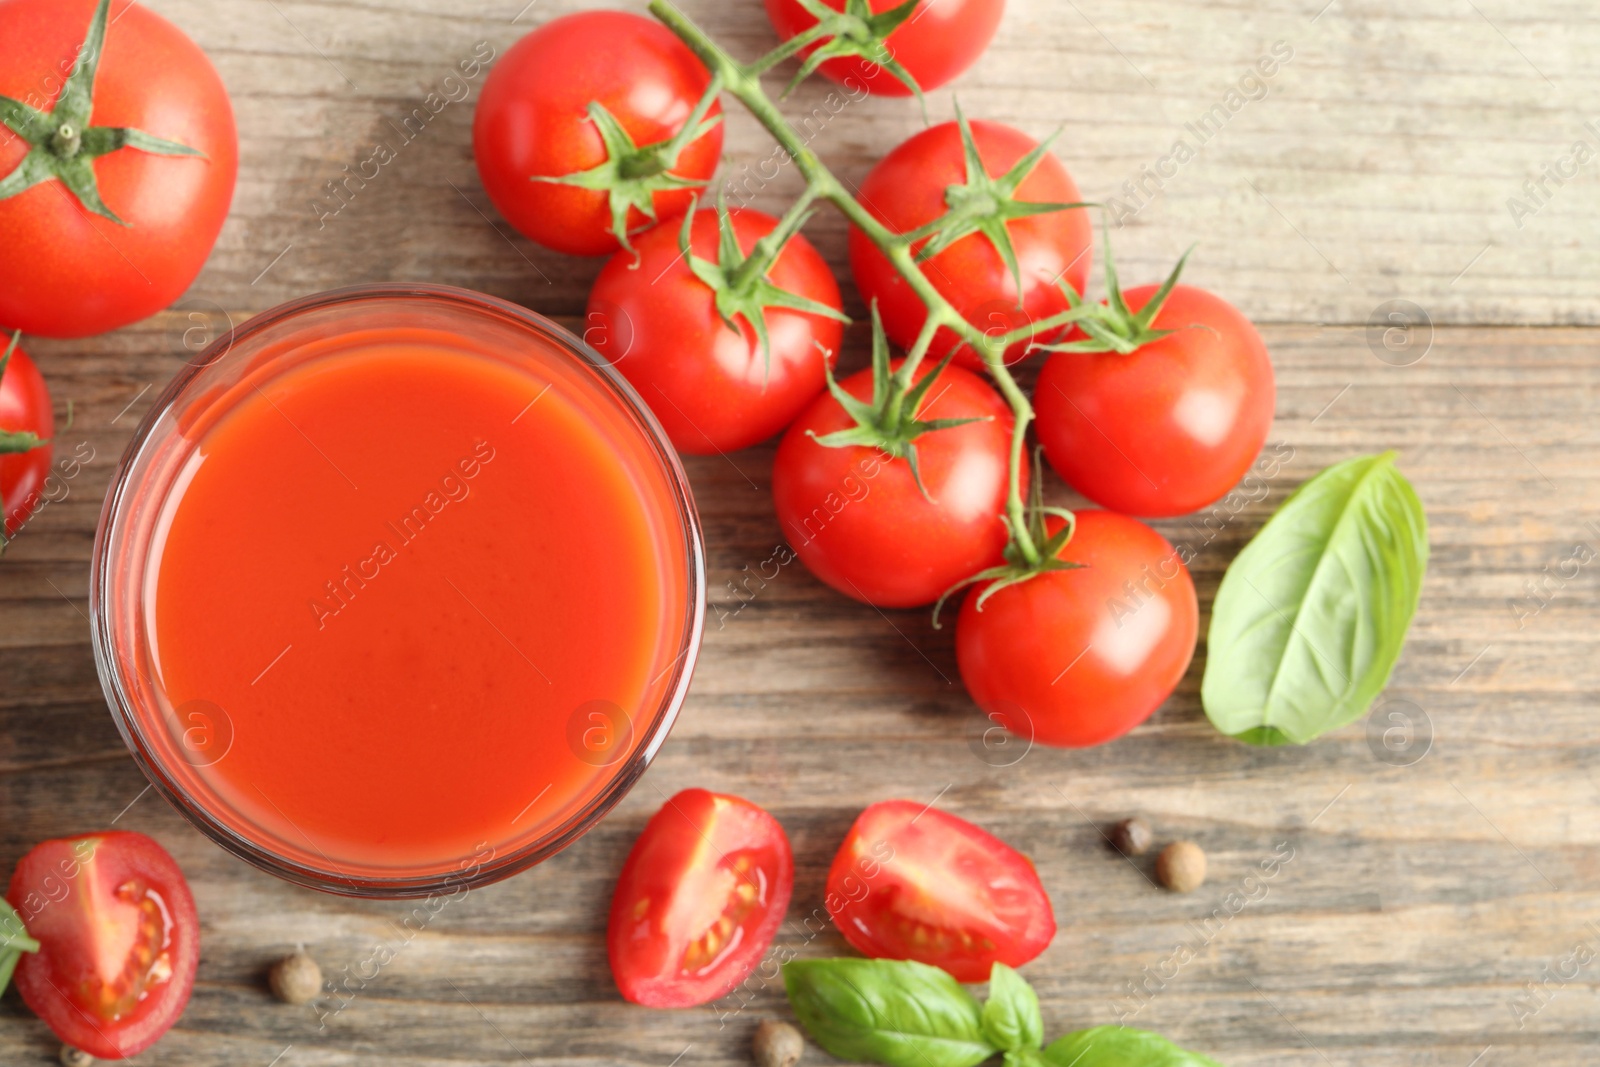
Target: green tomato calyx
(62, 144)
(632, 175)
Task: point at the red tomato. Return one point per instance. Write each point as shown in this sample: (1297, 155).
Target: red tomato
(67, 271)
(701, 896)
(911, 882)
(1078, 657)
(1169, 428)
(532, 120)
(907, 190)
(935, 46)
(24, 408)
(119, 940)
(856, 517)
(713, 388)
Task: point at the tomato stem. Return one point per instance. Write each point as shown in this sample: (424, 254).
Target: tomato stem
(744, 82)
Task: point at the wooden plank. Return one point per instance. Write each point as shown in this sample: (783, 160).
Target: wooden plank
(1421, 899)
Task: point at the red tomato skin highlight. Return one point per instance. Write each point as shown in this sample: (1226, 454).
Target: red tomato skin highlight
(711, 387)
(937, 44)
(1080, 657)
(1170, 428)
(906, 190)
(67, 273)
(532, 120)
(873, 894)
(695, 836)
(24, 405)
(93, 867)
(856, 518)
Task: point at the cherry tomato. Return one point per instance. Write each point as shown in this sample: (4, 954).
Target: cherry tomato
(119, 940)
(533, 120)
(907, 190)
(855, 516)
(912, 882)
(69, 270)
(712, 387)
(1078, 657)
(700, 897)
(24, 409)
(935, 46)
(1166, 429)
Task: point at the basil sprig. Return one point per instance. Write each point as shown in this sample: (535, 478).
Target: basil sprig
(906, 1014)
(1312, 615)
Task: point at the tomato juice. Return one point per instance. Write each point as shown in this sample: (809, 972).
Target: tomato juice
(401, 589)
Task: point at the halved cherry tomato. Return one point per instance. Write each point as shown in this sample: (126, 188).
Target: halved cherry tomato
(699, 900)
(535, 120)
(1079, 657)
(119, 940)
(712, 386)
(912, 187)
(25, 415)
(1169, 428)
(940, 40)
(856, 516)
(912, 882)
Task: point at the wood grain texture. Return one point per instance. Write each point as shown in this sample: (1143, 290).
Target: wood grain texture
(1420, 899)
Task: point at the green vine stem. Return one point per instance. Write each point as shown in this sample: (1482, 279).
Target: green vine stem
(743, 81)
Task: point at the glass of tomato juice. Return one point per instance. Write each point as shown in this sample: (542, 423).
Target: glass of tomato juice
(398, 589)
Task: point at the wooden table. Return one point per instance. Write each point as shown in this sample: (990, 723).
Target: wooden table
(1432, 878)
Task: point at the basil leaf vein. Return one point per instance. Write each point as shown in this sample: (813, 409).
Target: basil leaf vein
(1312, 615)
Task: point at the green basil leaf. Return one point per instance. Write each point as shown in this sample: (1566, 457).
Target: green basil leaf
(896, 1012)
(1118, 1046)
(1312, 615)
(1011, 1018)
(14, 941)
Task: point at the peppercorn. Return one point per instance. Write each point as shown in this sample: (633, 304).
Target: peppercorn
(1181, 867)
(1131, 837)
(777, 1044)
(296, 979)
(75, 1057)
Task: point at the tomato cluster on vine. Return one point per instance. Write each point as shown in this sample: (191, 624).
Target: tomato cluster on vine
(971, 245)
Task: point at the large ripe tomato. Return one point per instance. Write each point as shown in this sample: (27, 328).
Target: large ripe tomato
(136, 223)
(699, 899)
(912, 882)
(908, 190)
(713, 388)
(1169, 428)
(1078, 657)
(856, 517)
(119, 940)
(533, 121)
(24, 410)
(935, 46)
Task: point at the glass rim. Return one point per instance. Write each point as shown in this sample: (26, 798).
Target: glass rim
(109, 532)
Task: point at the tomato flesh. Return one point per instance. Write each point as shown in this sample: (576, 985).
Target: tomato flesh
(699, 899)
(1169, 428)
(119, 940)
(1078, 657)
(912, 882)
